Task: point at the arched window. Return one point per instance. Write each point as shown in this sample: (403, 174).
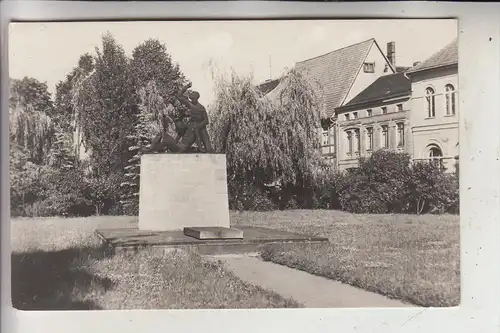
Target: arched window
(430, 100)
(435, 151)
(450, 97)
(435, 155)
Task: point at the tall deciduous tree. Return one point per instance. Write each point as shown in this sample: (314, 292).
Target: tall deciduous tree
(30, 91)
(105, 103)
(267, 140)
(30, 109)
(156, 80)
(107, 108)
(151, 62)
(65, 113)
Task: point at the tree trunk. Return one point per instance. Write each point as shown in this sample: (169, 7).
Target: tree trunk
(420, 205)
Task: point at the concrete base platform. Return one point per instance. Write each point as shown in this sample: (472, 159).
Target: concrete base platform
(213, 233)
(254, 239)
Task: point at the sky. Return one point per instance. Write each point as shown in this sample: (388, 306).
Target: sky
(265, 49)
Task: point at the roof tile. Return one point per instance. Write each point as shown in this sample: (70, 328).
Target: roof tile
(448, 55)
(336, 71)
(385, 87)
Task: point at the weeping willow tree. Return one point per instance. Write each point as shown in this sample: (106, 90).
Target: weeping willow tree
(31, 129)
(268, 139)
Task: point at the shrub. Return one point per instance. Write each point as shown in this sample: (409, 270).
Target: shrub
(378, 185)
(65, 194)
(244, 196)
(431, 190)
(326, 188)
(387, 183)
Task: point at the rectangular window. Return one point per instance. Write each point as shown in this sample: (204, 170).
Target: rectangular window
(324, 141)
(347, 116)
(358, 141)
(401, 135)
(369, 67)
(369, 112)
(369, 139)
(385, 136)
(355, 115)
(400, 107)
(349, 142)
(384, 110)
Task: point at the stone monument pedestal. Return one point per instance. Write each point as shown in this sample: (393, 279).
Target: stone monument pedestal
(180, 191)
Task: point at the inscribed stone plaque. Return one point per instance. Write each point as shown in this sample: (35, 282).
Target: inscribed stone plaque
(183, 190)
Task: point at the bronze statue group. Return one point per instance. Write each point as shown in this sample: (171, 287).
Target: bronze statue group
(191, 128)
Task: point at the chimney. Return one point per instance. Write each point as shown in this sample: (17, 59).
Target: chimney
(391, 53)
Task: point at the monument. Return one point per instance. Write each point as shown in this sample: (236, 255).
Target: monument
(181, 191)
(183, 195)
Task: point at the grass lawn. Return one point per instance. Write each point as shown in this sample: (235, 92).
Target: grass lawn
(57, 264)
(408, 257)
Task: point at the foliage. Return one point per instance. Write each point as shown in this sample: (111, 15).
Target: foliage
(267, 141)
(148, 124)
(107, 109)
(104, 193)
(156, 80)
(326, 185)
(24, 177)
(65, 194)
(151, 62)
(31, 129)
(61, 155)
(65, 113)
(432, 191)
(30, 91)
(378, 185)
(387, 183)
(44, 190)
(244, 196)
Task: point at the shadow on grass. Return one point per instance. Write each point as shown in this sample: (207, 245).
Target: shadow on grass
(55, 280)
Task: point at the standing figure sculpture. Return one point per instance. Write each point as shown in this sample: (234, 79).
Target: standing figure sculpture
(194, 130)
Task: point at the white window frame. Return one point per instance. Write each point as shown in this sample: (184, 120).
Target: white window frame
(401, 134)
(450, 100)
(385, 136)
(430, 102)
(369, 138)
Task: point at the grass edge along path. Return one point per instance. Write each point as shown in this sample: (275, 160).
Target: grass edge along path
(415, 259)
(59, 264)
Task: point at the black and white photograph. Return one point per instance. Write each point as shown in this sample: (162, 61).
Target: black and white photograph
(234, 164)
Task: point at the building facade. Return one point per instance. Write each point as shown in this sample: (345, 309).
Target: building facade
(375, 119)
(339, 75)
(372, 104)
(434, 108)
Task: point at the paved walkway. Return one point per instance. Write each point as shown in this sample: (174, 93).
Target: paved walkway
(310, 290)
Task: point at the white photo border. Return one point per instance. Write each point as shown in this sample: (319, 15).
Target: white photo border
(479, 73)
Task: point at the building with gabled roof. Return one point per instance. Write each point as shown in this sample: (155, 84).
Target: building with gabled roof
(373, 104)
(343, 73)
(434, 107)
(340, 75)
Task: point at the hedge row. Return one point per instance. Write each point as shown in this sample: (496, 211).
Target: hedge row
(387, 182)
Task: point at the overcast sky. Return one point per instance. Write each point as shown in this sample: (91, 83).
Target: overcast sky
(48, 51)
